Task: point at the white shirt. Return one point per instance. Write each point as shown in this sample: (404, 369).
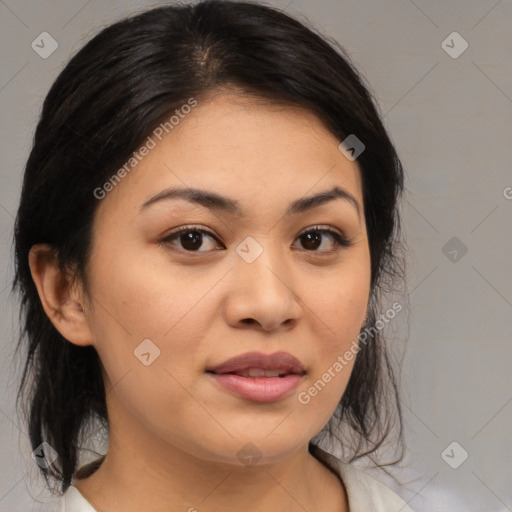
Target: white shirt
(365, 493)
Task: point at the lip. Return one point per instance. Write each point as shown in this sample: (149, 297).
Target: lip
(277, 361)
(259, 389)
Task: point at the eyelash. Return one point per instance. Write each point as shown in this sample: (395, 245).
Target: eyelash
(341, 241)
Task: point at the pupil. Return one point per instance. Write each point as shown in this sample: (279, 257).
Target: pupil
(193, 238)
(313, 237)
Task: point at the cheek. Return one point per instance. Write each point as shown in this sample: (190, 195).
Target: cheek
(145, 296)
(319, 398)
(142, 301)
(340, 304)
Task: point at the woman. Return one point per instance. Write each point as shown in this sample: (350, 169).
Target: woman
(207, 221)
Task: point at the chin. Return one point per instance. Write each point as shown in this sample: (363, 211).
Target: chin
(252, 450)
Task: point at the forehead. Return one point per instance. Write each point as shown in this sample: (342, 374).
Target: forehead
(244, 147)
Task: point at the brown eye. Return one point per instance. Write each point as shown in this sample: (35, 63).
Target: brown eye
(191, 239)
(312, 239)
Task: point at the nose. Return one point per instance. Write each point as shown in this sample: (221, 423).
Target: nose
(263, 294)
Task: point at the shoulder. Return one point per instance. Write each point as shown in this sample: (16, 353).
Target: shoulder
(73, 501)
(364, 492)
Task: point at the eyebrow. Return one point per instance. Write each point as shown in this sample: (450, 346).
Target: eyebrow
(214, 201)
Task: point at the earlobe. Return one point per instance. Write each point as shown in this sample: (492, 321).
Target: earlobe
(61, 303)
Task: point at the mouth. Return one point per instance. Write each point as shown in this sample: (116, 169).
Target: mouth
(258, 377)
(257, 389)
(256, 364)
(258, 372)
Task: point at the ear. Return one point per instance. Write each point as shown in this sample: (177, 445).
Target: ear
(62, 303)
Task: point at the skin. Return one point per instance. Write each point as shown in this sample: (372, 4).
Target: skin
(175, 434)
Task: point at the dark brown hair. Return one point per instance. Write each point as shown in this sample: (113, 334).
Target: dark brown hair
(102, 106)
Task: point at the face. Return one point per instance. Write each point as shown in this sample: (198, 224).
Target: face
(246, 275)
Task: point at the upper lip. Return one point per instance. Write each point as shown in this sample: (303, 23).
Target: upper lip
(277, 361)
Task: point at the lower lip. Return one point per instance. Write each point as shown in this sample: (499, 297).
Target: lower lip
(258, 389)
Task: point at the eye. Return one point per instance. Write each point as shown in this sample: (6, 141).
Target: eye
(312, 239)
(190, 238)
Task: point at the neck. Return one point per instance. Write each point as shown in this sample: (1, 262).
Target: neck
(133, 478)
(142, 471)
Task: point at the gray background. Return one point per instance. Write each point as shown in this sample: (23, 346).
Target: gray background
(450, 119)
